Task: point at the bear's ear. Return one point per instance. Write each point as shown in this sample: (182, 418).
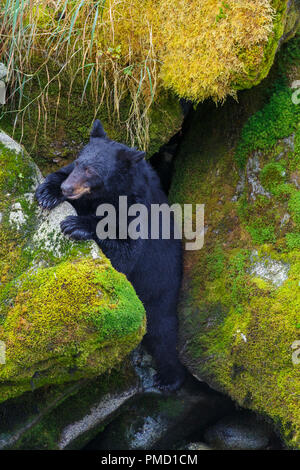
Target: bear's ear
(131, 154)
(98, 130)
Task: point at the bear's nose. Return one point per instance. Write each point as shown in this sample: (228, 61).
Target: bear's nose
(67, 189)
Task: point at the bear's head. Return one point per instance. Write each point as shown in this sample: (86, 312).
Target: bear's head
(101, 162)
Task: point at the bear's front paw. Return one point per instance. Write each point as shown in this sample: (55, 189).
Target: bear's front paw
(76, 227)
(47, 198)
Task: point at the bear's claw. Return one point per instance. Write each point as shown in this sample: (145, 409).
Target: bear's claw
(46, 199)
(76, 227)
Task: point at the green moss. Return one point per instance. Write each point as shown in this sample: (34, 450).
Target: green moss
(253, 75)
(62, 324)
(272, 175)
(261, 284)
(295, 162)
(166, 119)
(236, 328)
(215, 262)
(16, 172)
(278, 119)
(117, 319)
(292, 241)
(259, 345)
(294, 207)
(261, 234)
(207, 53)
(18, 176)
(199, 53)
(258, 218)
(64, 315)
(236, 277)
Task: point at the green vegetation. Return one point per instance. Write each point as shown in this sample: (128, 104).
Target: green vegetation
(237, 324)
(294, 207)
(207, 52)
(272, 175)
(293, 241)
(62, 325)
(278, 119)
(67, 316)
(117, 59)
(64, 315)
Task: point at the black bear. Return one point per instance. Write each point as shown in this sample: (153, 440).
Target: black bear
(103, 171)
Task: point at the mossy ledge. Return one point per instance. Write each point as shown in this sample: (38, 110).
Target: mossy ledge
(65, 313)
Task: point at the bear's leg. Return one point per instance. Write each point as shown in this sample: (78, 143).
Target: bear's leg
(123, 254)
(161, 342)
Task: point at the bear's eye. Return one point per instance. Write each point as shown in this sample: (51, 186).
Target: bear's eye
(89, 172)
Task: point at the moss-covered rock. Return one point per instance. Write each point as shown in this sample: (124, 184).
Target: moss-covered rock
(240, 306)
(128, 62)
(57, 142)
(65, 313)
(223, 46)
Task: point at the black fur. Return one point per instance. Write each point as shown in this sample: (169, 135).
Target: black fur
(103, 171)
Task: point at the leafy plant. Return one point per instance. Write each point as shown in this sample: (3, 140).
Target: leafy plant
(222, 13)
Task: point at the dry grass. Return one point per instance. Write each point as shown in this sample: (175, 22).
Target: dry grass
(77, 38)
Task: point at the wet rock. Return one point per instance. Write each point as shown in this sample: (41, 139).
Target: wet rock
(156, 421)
(285, 219)
(11, 144)
(269, 269)
(289, 143)
(145, 369)
(251, 177)
(241, 431)
(295, 179)
(2, 92)
(67, 416)
(252, 171)
(197, 446)
(240, 187)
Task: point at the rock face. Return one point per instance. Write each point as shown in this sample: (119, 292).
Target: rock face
(238, 432)
(65, 313)
(240, 305)
(65, 416)
(157, 421)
